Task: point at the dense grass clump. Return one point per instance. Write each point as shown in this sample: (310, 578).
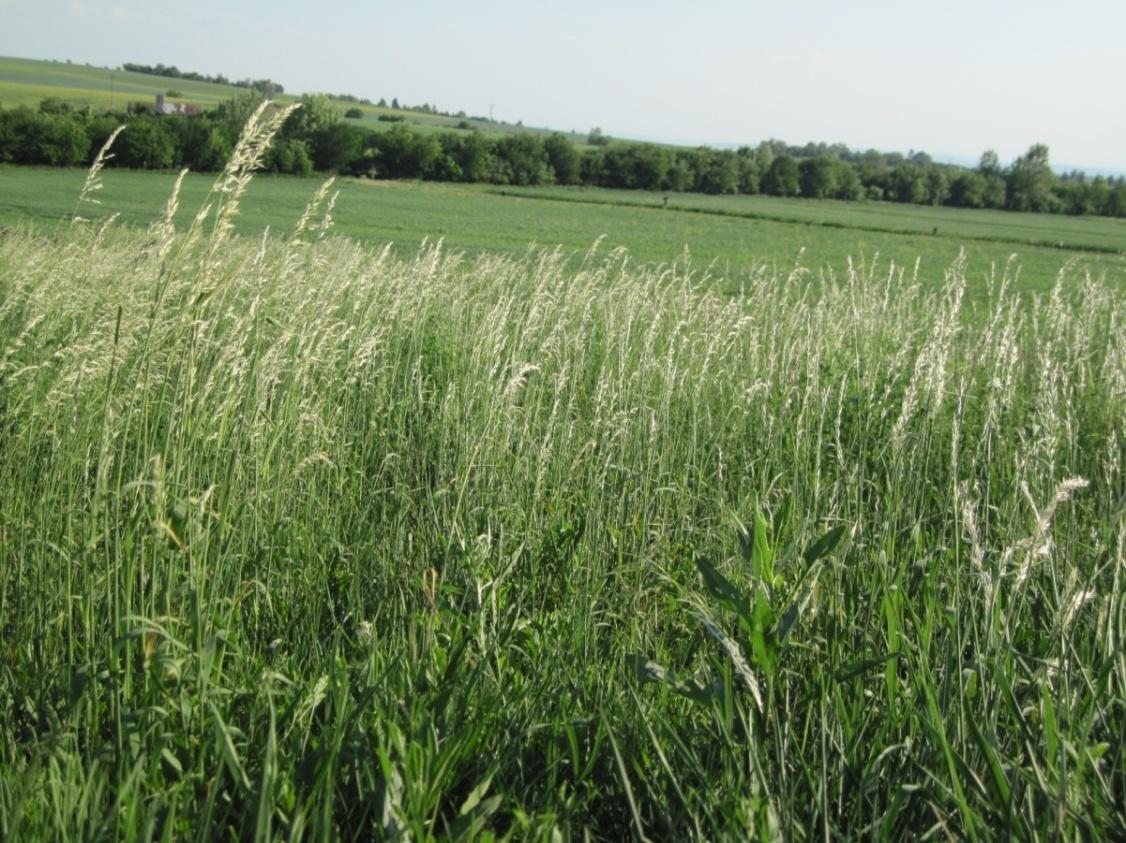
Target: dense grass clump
(304, 540)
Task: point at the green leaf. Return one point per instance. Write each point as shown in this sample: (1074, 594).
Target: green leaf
(1097, 751)
(788, 622)
(648, 671)
(794, 610)
(262, 828)
(761, 554)
(857, 668)
(1051, 726)
(723, 590)
(763, 647)
(998, 780)
(475, 796)
(780, 523)
(172, 761)
(744, 533)
(826, 544)
(226, 746)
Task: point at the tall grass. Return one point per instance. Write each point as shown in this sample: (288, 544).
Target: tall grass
(303, 540)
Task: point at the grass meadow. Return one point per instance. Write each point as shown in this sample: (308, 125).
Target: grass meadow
(302, 537)
(821, 237)
(1082, 233)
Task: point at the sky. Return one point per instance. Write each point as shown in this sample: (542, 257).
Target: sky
(952, 78)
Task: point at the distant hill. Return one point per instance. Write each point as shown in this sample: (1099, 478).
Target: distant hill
(29, 81)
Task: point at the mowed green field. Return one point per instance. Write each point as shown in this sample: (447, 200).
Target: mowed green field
(1056, 230)
(478, 218)
(27, 82)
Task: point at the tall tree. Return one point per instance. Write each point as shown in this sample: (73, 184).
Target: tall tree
(317, 112)
(403, 153)
(989, 163)
(563, 158)
(993, 191)
(907, 183)
(336, 146)
(234, 113)
(636, 166)
(764, 157)
(681, 174)
(750, 176)
(818, 177)
(782, 177)
(1030, 181)
(717, 170)
(848, 183)
(967, 189)
(521, 159)
(474, 156)
(938, 185)
(146, 143)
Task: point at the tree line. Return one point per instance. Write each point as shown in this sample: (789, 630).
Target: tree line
(317, 138)
(267, 87)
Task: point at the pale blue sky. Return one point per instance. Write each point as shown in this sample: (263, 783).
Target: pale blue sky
(953, 78)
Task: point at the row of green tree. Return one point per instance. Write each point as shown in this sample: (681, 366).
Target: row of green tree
(317, 138)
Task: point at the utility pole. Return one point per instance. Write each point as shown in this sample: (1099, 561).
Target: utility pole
(491, 107)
